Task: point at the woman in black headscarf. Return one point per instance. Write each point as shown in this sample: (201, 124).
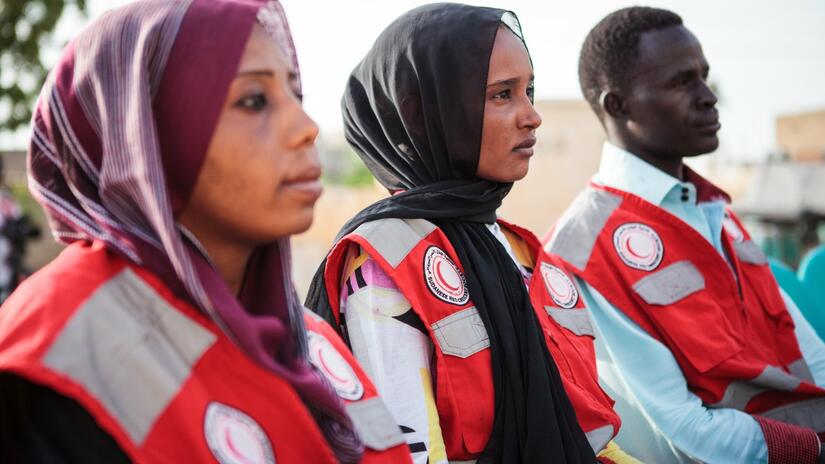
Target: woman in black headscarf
(441, 112)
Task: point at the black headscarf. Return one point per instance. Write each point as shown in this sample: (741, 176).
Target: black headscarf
(413, 111)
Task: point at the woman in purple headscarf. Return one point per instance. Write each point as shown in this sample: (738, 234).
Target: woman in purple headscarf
(171, 153)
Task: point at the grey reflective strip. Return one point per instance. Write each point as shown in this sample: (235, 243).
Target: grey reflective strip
(810, 414)
(670, 284)
(738, 394)
(599, 438)
(130, 350)
(800, 370)
(581, 225)
(749, 252)
(461, 334)
(374, 424)
(574, 320)
(394, 238)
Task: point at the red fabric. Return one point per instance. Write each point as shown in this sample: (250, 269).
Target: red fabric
(35, 316)
(730, 331)
(575, 354)
(604, 460)
(463, 386)
(789, 444)
(398, 454)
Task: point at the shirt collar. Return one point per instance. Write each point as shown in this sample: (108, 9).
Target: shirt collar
(625, 171)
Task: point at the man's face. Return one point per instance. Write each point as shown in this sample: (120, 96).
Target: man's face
(671, 111)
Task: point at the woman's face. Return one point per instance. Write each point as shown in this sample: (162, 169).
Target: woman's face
(510, 122)
(260, 178)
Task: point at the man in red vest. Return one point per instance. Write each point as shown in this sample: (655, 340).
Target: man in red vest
(711, 357)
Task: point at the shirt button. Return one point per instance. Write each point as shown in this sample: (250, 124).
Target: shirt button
(685, 194)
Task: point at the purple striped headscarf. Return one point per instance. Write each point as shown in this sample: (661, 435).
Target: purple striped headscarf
(120, 131)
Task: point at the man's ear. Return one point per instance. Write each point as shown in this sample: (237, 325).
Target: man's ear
(613, 104)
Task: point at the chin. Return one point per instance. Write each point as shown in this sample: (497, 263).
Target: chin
(706, 146)
(295, 222)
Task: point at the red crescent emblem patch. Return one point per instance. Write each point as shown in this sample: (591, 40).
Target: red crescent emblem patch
(638, 245)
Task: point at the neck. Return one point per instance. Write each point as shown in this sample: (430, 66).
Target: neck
(672, 166)
(231, 262)
(229, 258)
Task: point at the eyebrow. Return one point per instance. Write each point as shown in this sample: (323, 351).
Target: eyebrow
(292, 76)
(510, 81)
(256, 72)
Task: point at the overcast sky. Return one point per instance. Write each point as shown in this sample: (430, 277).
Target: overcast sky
(767, 57)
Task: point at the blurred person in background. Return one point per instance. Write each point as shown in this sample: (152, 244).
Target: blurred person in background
(450, 310)
(172, 155)
(16, 230)
(713, 356)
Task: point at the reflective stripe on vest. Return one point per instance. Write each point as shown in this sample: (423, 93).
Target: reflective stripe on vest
(800, 369)
(749, 252)
(374, 423)
(123, 335)
(738, 394)
(574, 320)
(461, 334)
(599, 438)
(583, 222)
(670, 284)
(395, 238)
(810, 414)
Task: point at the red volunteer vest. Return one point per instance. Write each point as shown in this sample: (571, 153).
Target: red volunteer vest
(726, 324)
(569, 334)
(423, 264)
(162, 380)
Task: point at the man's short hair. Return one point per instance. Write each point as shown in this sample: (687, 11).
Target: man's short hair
(613, 44)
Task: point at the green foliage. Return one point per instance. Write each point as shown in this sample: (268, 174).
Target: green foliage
(342, 166)
(25, 199)
(358, 176)
(25, 27)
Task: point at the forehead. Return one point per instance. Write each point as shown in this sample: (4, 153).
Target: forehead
(667, 51)
(263, 51)
(509, 54)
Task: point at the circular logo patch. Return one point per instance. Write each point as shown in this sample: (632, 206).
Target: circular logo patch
(235, 438)
(559, 286)
(335, 368)
(638, 245)
(444, 278)
(732, 228)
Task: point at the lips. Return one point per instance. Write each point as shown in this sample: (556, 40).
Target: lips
(308, 184)
(525, 147)
(709, 123)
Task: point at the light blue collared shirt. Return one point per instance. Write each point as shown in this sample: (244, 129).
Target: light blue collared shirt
(649, 372)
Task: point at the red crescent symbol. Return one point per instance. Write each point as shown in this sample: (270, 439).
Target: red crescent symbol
(328, 370)
(560, 294)
(231, 445)
(442, 279)
(632, 252)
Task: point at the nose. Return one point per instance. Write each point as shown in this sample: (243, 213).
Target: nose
(706, 98)
(529, 118)
(303, 131)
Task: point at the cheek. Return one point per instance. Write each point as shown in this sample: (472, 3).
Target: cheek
(495, 136)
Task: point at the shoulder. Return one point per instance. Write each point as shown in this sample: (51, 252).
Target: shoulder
(391, 238)
(575, 235)
(66, 281)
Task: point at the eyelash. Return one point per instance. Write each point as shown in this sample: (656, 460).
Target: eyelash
(255, 102)
(506, 93)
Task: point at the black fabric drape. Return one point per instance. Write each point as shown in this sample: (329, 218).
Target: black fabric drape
(413, 110)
